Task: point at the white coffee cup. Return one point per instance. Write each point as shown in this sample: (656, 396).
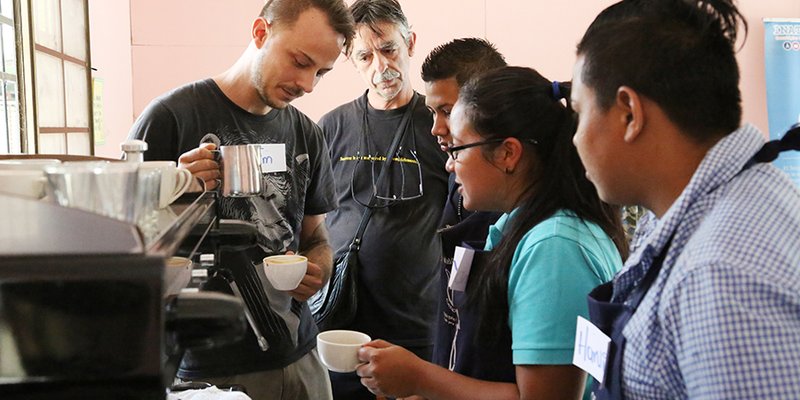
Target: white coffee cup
(338, 350)
(177, 274)
(27, 164)
(285, 271)
(25, 183)
(174, 181)
(24, 177)
(178, 263)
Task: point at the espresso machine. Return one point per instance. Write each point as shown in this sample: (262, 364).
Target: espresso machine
(84, 310)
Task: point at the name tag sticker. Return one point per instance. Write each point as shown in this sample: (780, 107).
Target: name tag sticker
(273, 158)
(591, 349)
(459, 273)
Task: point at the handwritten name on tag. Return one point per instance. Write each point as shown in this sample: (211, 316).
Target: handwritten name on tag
(459, 273)
(591, 349)
(273, 158)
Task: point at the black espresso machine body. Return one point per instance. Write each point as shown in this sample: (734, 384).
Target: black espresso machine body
(85, 327)
(83, 309)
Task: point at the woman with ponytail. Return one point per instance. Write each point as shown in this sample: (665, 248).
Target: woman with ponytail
(512, 152)
(708, 305)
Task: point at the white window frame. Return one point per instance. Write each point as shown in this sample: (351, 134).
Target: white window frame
(30, 130)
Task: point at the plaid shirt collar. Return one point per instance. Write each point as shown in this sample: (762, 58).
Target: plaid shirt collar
(722, 163)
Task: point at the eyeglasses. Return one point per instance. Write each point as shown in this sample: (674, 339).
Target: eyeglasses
(453, 150)
(402, 180)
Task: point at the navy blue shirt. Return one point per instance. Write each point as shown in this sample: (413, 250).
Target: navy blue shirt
(488, 361)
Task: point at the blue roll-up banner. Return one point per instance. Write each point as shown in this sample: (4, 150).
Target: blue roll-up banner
(782, 59)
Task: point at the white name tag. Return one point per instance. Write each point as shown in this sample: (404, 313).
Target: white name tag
(459, 273)
(591, 349)
(273, 158)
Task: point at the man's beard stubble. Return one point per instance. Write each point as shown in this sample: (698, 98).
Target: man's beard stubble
(260, 85)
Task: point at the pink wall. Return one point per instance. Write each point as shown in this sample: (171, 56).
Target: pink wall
(178, 41)
(110, 34)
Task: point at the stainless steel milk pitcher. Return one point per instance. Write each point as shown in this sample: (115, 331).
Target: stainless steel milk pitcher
(241, 170)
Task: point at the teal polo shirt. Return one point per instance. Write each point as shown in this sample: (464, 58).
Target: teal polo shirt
(556, 264)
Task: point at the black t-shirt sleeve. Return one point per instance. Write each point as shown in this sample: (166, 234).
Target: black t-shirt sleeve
(328, 126)
(321, 196)
(159, 128)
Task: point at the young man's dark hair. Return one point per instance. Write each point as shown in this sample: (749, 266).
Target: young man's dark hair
(445, 70)
(665, 51)
(461, 59)
(287, 11)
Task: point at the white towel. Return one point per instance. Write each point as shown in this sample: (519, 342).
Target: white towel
(210, 393)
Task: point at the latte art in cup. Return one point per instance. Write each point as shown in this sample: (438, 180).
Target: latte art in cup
(288, 259)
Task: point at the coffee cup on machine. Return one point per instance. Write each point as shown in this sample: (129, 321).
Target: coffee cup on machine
(24, 177)
(28, 184)
(174, 181)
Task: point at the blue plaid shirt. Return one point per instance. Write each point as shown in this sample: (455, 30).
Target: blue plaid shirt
(722, 320)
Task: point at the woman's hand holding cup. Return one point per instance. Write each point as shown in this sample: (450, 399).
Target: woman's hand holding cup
(389, 370)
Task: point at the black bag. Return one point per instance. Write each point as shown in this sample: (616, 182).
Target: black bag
(335, 305)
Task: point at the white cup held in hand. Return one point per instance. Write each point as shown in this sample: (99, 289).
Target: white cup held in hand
(285, 271)
(338, 350)
(174, 181)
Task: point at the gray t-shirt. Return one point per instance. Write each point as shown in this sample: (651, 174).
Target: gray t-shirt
(400, 252)
(175, 123)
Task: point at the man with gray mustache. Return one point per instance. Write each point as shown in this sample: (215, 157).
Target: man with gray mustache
(400, 250)
(386, 76)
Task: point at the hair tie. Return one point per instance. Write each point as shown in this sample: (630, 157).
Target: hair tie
(557, 91)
